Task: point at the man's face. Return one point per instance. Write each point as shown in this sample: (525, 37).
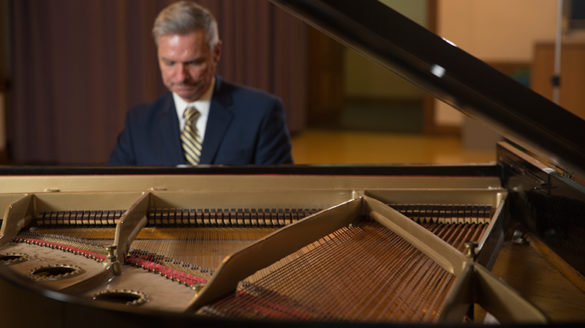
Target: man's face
(187, 64)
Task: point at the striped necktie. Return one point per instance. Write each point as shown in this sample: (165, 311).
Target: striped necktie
(190, 137)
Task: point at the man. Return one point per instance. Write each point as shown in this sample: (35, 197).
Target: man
(203, 119)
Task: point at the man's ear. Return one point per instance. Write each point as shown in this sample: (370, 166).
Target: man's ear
(217, 52)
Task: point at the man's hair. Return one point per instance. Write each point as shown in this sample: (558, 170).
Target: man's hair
(184, 17)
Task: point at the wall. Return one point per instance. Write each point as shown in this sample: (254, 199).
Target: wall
(3, 132)
(4, 72)
(366, 79)
(496, 31)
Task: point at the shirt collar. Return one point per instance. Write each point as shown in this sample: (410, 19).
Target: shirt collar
(202, 104)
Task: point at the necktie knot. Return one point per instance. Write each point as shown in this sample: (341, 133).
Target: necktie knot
(190, 114)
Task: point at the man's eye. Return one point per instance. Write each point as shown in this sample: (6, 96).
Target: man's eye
(196, 62)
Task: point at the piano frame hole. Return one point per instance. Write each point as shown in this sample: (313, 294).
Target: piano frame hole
(13, 258)
(126, 297)
(56, 272)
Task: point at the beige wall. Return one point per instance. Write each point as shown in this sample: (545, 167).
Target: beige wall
(493, 31)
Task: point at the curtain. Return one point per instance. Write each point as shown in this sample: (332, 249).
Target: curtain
(79, 65)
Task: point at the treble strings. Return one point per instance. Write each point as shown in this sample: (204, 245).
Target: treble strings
(457, 234)
(364, 272)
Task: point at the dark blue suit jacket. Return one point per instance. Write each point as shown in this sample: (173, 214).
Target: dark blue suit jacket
(245, 126)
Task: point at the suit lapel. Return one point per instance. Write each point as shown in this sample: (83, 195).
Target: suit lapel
(218, 121)
(169, 131)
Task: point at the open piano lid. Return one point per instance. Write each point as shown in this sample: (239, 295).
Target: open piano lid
(452, 75)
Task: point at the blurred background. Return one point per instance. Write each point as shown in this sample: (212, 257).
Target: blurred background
(70, 69)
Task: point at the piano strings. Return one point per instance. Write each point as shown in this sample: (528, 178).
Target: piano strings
(378, 275)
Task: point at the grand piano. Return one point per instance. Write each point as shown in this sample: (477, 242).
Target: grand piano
(317, 245)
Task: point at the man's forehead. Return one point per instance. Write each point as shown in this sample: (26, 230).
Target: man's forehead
(198, 34)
